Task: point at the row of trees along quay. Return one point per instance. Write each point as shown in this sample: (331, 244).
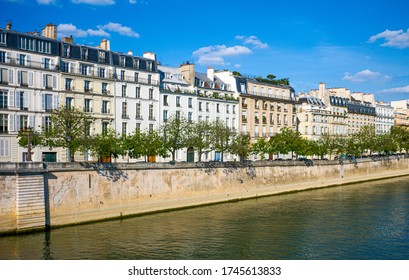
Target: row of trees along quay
(69, 128)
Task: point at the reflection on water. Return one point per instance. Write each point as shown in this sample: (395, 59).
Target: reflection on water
(362, 221)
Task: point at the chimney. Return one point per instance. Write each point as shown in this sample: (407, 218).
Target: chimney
(68, 40)
(321, 91)
(8, 25)
(130, 52)
(105, 45)
(210, 73)
(188, 72)
(150, 55)
(50, 31)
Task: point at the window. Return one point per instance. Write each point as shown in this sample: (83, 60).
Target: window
(138, 111)
(234, 109)
(149, 66)
(151, 115)
(122, 75)
(136, 64)
(48, 81)
(124, 128)
(101, 57)
(218, 108)
(43, 47)
(105, 109)
(22, 100)
(27, 44)
(151, 94)
(165, 115)
(177, 101)
(149, 79)
(69, 103)
(136, 77)
(177, 115)
(3, 100)
(137, 92)
(46, 103)
(46, 123)
(4, 123)
(190, 117)
(23, 121)
(151, 127)
(46, 63)
(190, 102)
(165, 100)
(124, 110)
(87, 86)
(137, 127)
(227, 109)
(200, 107)
(87, 105)
(104, 88)
(101, 72)
(84, 54)
(122, 61)
(2, 57)
(3, 38)
(123, 90)
(207, 106)
(66, 50)
(104, 129)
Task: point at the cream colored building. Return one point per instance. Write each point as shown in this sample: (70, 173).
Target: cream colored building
(313, 116)
(401, 112)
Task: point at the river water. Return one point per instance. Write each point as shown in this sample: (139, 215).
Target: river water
(361, 221)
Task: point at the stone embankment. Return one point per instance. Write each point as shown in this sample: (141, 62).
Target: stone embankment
(37, 196)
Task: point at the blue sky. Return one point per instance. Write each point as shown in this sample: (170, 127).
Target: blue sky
(360, 45)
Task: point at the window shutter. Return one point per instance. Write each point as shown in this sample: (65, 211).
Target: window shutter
(43, 102)
(8, 55)
(19, 77)
(54, 82)
(52, 66)
(11, 123)
(28, 61)
(31, 121)
(10, 76)
(26, 100)
(43, 123)
(30, 78)
(11, 98)
(18, 123)
(18, 100)
(44, 80)
(55, 102)
(107, 73)
(43, 62)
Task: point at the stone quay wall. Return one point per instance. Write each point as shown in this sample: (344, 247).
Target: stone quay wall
(72, 193)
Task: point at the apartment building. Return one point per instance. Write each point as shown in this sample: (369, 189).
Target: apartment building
(384, 117)
(313, 117)
(40, 73)
(401, 112)
(361, 111)
(29, 90)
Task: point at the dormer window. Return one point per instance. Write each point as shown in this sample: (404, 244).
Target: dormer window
(102, 57)
(136, 63)
(66, 50)
(84, 54)
(149, 66)
(122, 61)
(202, 83)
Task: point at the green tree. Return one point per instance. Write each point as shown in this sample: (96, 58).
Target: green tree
(173, 135)
(145, 143)
(221, 137)
(28, 138)
(385, 144)
(67, 130)
(241, 146)
(198, 137)
(106, 145)
(261, 148)
(400, 136)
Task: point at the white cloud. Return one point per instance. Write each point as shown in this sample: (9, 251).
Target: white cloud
(117, 27)
(68, 29)
(404, 89)
(100, 32)
(364, 76)
(399, 38)
(46, 2)
(94, 2)
(214, 55)
(252, 40)
(133, 1)
(237, 65)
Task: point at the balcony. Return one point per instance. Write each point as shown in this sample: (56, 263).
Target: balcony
(125, 116)
(87, 110)
(105, 111)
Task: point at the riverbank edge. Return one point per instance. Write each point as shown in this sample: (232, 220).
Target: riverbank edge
(231, 198)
